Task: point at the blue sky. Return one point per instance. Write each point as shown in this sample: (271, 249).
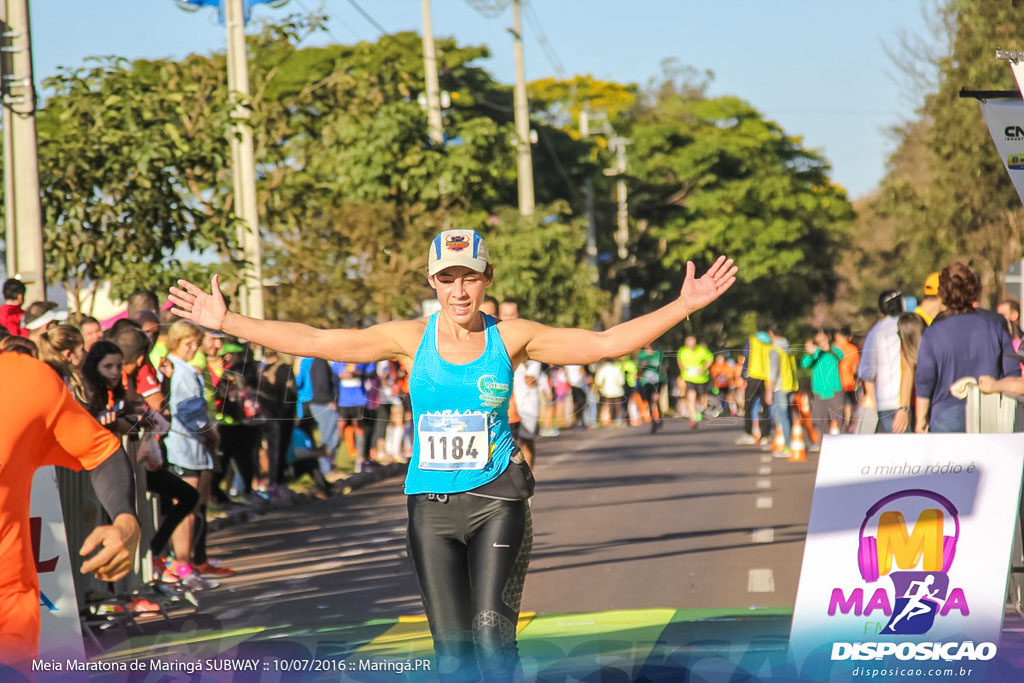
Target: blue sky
(815, 66)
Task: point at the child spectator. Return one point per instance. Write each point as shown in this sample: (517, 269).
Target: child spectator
(11, 313)
(187, 447)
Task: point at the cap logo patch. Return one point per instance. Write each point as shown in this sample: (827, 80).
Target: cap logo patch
(456, 242)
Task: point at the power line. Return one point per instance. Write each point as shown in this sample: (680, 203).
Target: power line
(545, 44)
(488, 8)
(326, 25)
(373, 22)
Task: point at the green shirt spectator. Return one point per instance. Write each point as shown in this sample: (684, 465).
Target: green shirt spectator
(649, 367)
(824, 366)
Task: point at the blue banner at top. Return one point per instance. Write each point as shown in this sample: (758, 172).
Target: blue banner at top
(219, 4)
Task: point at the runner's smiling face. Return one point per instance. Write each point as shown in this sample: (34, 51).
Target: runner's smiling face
(461, 291)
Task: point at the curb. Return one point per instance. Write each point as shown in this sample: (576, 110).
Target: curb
(243, 513)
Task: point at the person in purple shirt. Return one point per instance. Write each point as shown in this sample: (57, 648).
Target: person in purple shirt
(964, 341)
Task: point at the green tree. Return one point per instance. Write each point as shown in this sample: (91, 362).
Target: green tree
(711, 176)
(538, 262)
(125, 155)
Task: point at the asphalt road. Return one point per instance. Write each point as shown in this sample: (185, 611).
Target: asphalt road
(623, 519)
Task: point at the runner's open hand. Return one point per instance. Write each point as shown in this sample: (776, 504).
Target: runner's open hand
(697, 293)
(192, 303)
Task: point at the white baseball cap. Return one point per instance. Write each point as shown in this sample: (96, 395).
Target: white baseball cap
(457, 248)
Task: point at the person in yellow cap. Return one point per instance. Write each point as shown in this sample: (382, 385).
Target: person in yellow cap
(931, 305)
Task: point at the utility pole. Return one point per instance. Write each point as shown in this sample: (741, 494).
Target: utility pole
(430, 70)
(243, 167)
(524, 158)
(618, 145)
(588, 193)
(23, 211)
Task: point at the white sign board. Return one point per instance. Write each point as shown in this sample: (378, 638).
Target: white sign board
(60, 635)
(1005, 120)
(907, 554)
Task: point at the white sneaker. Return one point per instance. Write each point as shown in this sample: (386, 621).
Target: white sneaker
(764, 440)
(746, 440)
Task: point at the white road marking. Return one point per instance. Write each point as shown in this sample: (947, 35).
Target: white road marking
(764, 470)
(764, 502)
(760, 581)
(763, 535)
(766, 459)
(764, 483)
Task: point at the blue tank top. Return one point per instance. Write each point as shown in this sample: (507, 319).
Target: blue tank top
(462, 439)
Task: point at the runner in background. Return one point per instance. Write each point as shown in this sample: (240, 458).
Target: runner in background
(651, 379)
(695, 368)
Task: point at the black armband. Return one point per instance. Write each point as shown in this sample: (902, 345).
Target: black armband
(114, 483)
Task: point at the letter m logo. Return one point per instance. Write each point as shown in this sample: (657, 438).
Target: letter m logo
(907, 549)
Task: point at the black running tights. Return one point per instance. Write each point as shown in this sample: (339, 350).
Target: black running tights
(470, 555)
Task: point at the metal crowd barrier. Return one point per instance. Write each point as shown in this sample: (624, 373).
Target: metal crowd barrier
(999, 414)
(82, 512)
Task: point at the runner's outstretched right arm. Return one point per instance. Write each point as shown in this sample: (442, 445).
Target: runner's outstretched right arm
(379, 342)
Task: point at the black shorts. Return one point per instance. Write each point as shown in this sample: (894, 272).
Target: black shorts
(350, 413)
(700, 387)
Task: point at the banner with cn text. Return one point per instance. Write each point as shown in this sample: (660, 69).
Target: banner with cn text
(1005, 120)
(908, 551)
(60, 633)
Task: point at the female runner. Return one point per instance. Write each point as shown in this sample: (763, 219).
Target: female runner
(470, 532)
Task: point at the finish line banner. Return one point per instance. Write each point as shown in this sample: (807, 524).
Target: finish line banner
(1005, 120)
(907, 556)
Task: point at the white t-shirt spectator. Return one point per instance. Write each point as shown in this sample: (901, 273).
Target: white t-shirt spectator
(527, 396)
(610, 380)
(577, 376)
(880, 362)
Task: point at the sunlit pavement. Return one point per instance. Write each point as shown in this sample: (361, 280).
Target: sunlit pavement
(656, 557)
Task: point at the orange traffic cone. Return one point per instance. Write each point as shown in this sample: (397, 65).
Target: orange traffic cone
(756, 431)
(803, 402)
(779, 442)
(798, 448)
(833, 427)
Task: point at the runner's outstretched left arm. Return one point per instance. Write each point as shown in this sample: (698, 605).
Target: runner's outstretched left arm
(559, 346)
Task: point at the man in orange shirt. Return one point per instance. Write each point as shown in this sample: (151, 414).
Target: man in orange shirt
(44, 425)
(848, 372)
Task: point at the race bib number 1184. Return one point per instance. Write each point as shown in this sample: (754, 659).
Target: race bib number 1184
(453, 442)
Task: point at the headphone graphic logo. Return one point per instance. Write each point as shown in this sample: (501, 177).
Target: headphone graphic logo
(867, 553)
